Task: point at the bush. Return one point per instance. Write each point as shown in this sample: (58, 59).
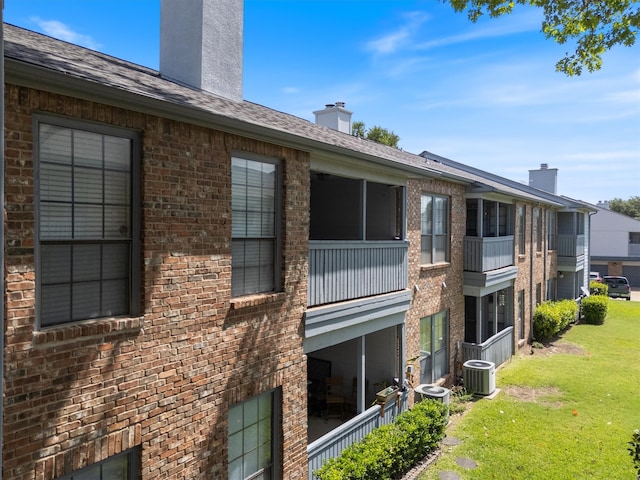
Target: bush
(634, 451)
(550, 318)
(594, 309)
(597, 288)
(393, 449)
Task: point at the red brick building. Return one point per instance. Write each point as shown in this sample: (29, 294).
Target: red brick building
(183, 269)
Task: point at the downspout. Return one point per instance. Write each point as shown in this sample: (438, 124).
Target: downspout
(532, 249)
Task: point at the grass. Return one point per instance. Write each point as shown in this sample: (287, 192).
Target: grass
(565, 411)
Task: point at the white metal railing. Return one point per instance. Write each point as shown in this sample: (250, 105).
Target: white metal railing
(570, 245)
(483, 254)
(350, 432)
(340, 271)
(496, 349)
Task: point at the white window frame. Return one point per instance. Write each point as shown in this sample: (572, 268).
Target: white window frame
(73, 222)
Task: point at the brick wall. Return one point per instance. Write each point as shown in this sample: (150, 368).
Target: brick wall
(164, 381)
(432, 296)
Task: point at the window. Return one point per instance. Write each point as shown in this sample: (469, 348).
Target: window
(434, 347)
(251, 433)
(551, 230)
(521, 314)
(87, 222)
(124, 466)
(434, 216)
(521, 229)
(254, 206)
(634, 244)
(537, 218)
(551, 289)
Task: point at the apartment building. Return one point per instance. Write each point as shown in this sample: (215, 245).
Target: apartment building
(184, 269)
(615, 240)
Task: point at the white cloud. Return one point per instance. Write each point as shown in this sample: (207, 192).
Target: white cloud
(393, 41)
(513, 24)
(59, 30)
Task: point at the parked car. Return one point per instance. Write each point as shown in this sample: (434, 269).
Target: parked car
(595, 277)
(618, 287)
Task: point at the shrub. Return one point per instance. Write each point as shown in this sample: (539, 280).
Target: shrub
(634, 451)
(594, 309)
(550, 318)
(391, 449)
(597, 288)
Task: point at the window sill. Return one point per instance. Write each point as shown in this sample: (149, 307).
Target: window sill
(435, 266)
(84, 329)
(256, 300)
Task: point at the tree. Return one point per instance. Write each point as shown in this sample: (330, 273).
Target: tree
(375, 134)
(595, 25)
(630, 207)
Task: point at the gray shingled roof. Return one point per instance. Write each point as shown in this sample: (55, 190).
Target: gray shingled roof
(40, 61)
(499, 183)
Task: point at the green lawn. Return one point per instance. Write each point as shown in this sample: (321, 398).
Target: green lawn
(565, 412)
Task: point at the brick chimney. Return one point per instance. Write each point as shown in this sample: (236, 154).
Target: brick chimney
(201, 44)
(335, 116)
(544, 178)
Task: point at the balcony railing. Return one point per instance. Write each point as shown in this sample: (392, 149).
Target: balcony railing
(570, 245)
(483, 254)
(497, 349)
(354, 430)
(340, 271)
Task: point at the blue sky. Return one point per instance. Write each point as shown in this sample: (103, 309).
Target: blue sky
(483, 94)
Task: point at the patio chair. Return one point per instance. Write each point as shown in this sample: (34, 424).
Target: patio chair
(334, 398)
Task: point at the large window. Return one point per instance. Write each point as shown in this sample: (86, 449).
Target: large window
(634, 244)
(252, 430)
(124, 466)
(551, 230)
(521, 314)
(521, 229)
(434, 227)
(87, 222)
(537, 218)
(434, 347)
(254, 204)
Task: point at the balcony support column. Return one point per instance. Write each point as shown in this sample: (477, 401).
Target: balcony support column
(361, 374)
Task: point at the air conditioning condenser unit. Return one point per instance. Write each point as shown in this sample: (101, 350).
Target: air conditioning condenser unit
(479, 376)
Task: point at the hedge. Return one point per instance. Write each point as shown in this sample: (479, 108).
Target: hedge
(391, 450)
(550, 318)
(597, 288)
(594, 309)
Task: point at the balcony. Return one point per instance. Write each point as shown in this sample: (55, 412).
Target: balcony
(347, 270)
(497, 349)
(483, 254)
(331, 445)
(570, 245)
